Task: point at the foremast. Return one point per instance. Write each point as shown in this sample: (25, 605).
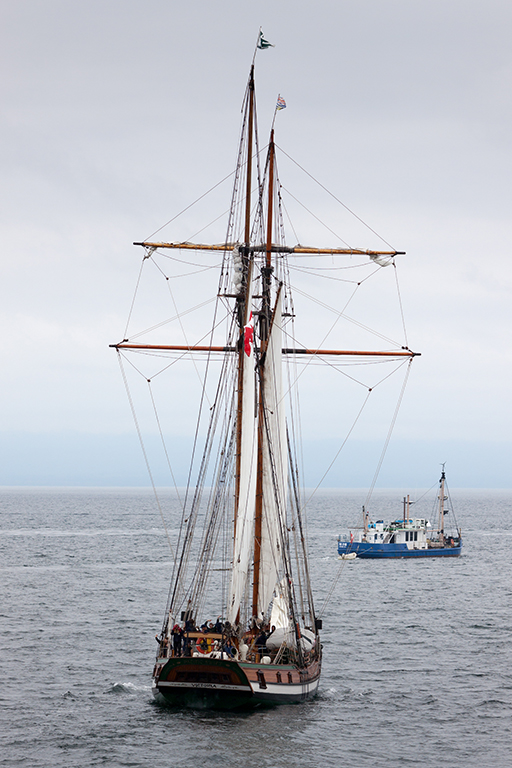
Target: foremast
(264, 327)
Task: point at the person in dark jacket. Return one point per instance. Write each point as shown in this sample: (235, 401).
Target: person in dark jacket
(177, 639)
(261, 643)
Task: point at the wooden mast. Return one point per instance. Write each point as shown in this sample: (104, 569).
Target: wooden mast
(249, 160)
(266, 274)
(244, 298)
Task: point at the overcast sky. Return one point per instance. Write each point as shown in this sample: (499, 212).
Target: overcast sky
(117, 114)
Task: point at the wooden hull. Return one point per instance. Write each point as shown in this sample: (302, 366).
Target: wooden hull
(206, 683)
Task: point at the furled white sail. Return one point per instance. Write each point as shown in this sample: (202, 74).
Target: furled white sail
(244, 526)
(274, 467)
(382, 261)
(282, 630)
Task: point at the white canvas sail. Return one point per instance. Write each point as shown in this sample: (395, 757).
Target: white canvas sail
(274, 466)
(244, 530)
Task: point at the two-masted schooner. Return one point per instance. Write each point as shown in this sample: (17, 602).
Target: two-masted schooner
(240, 627)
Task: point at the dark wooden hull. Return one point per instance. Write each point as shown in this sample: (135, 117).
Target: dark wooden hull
(207, 683)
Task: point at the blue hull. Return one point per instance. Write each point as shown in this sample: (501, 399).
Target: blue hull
(364, 549)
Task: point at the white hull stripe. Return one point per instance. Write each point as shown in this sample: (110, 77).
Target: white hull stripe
(286, 689)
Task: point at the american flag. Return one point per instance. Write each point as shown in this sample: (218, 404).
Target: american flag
(281, 103)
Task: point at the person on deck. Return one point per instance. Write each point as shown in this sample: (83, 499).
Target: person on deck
(228, 648)
(261, 643)
(177, 639)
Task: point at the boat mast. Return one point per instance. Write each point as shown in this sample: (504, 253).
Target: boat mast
(365, 522)
(249, 159)
(442, 499)
(264, 326)
(244, 297)
(407, 508)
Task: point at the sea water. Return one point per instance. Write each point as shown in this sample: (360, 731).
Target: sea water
(417, 653)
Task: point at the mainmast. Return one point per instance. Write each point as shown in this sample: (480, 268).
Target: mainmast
(264, 327)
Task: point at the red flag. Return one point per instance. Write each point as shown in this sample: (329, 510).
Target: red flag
(248, 335)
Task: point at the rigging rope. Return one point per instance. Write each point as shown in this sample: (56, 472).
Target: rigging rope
(346, 317)
(190, 206)
(331, 590)
(340, 448)
(317, 218)
(157, 418)
(400, 303)
(178, 315)
(335, 198)
(172, 319)
(134, 295)
(388, 438)
(137, 427)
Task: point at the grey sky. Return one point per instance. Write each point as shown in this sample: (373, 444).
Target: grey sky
(118, 114)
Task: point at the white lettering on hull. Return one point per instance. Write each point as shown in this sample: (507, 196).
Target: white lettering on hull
(216, 686)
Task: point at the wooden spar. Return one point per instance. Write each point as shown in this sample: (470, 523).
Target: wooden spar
(398, 353)
(297, 249)
(265, 324)
(319, 352)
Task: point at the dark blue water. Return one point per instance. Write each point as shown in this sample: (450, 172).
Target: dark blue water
(417, 654)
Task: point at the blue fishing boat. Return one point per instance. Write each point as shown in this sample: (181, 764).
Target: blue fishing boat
(406, 536)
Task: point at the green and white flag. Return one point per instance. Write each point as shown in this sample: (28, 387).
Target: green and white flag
(262, 43)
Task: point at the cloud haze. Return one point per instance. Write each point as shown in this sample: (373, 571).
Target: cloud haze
(118, 114)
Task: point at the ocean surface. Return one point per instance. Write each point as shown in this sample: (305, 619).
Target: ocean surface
(417, 653)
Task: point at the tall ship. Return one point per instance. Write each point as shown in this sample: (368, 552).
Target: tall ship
(407, 535)
(240, 627)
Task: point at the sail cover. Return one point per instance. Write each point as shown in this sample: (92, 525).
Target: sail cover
(274, 466)
(244, 527)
